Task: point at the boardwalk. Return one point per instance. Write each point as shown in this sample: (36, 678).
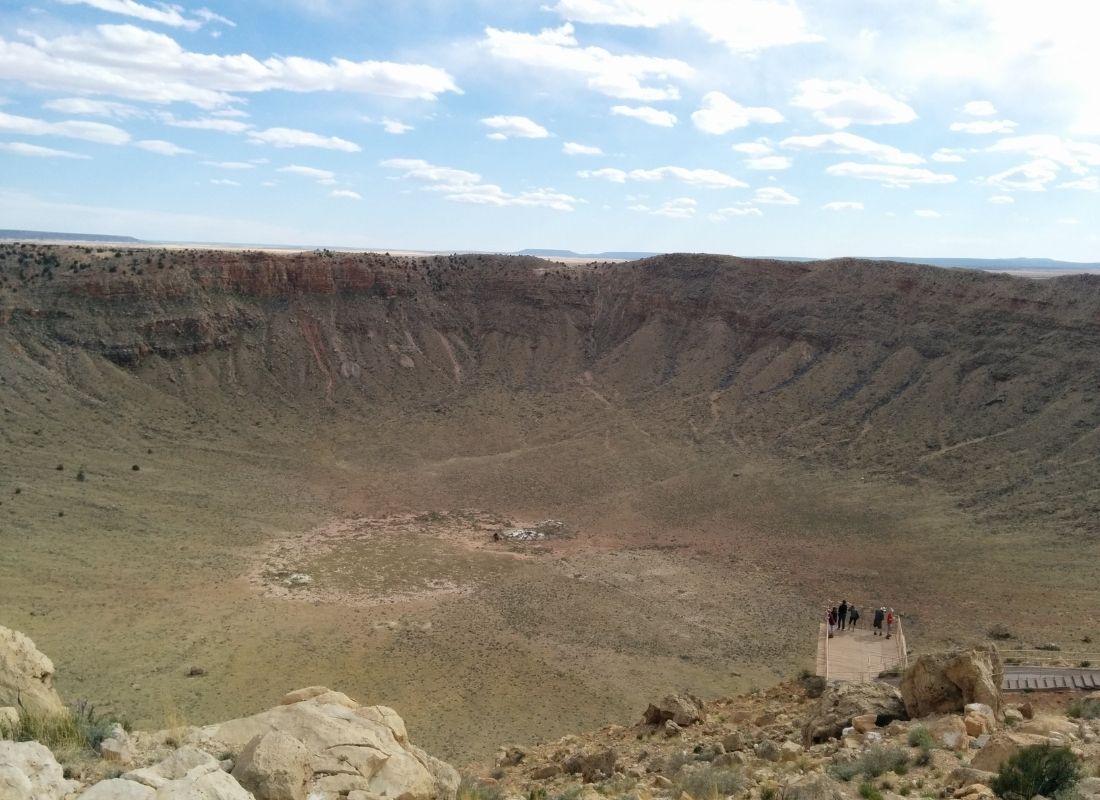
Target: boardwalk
(858, 655)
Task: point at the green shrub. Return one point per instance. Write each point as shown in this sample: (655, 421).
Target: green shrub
(1089, 708)
(881, 759)
(920, 737)
(768, 793)
(471, 789)
(1040, 769)
(75, 729)
(874, 762)
(710, 783)
(868, 791)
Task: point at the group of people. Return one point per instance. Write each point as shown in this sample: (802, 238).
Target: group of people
(846, 617)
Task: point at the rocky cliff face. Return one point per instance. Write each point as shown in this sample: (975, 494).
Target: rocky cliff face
(982, 383)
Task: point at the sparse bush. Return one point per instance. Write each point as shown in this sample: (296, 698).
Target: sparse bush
(135, 468)
(80, 474)
(868, 791)
(1085, 664)
(1001, 632)
(75, 729)
(1089, 708)
(876, 761)
(920, 737)
(768, 793)
(710, 783)
(674, 761)
(471, 789)
(1040, 769)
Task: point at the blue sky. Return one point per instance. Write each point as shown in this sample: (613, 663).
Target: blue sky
(753, 127)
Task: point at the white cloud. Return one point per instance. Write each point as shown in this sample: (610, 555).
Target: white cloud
(129, 62)
(607, 174)
(230, 164)
(85, 105)
(345, 194)
(768, 162)
(948, 155)
(927, 213)
(761, 147)
(1089, 184)
(509, 127)
(678, 208)
(744, 26)
(843, 205)
(35, 151)
(647, 114)
(162, 147)
(982, 127)
(1075, 155)
(576, 149)
(773, 195)
(1030, 177)
(461, 186)
(850, 144)
(396, 127)
(205, 123)
(319, 175)
(1069, 221)
(705, 178)
(893, 175)
(622, 76)
(839, 104)
(1001, 200)
(734, 211)
(290, 137)
(164, 15)
(720, 114)
(223, 182)
(979, 108)
(98, 132)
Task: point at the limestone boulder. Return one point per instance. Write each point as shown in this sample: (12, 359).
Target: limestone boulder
(683, 709)
(184, 761)
(843, 701)
(1045, 725)
(215, 785)
(359, 748)
(274, 766)
(118, 789)
(1001, 747)
(812, 787)
(592, 766)
(949, 732)
(26, 675)
(29, 771)
(943, 683)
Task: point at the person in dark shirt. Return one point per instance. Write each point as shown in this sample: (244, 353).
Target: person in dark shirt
(842, 615)
(853, 617)
(880, 615)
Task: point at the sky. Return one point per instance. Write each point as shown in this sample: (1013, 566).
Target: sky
(966, 128)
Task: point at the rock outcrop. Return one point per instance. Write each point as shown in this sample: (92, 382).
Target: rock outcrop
(812, 787)
(944, 683)
(349, 747)
(274, 766)
(29, 771)
(842, 701)
(678, 708)
(26, 675)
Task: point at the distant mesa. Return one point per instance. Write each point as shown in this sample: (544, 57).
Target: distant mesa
(54, 236)
(619, 255)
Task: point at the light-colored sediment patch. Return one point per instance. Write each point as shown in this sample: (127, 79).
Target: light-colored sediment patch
(412, 560)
